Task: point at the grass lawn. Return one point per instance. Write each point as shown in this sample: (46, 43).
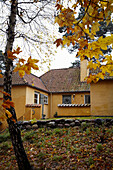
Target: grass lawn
(63, 149)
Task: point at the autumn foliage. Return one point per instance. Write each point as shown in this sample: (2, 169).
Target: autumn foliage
(22, 66)
(83, 32)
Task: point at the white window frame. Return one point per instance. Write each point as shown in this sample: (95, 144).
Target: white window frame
(37, 98)
(85, 99)
(45, 99)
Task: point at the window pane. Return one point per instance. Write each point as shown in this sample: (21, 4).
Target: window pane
(45, 99)
(35, 101)
(87, 99)
(35, 95)
(66, 99)
(36, 98)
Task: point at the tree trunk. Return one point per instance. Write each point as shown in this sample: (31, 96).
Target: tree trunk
(20, 154)
(14, 131)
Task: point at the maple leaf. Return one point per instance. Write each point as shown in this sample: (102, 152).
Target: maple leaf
(58, 42)
(58, 6)
(21, 73)
(8, 113)
(5, 93)
(21, 60)
(17, 51)
(95, 27)
(31, 63)
(7, 104)
(11, 55)
(26, 68)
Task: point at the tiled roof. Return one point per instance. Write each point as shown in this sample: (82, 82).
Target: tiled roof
(57, 80)
(106, 77)
(28, 79)
(64, 80)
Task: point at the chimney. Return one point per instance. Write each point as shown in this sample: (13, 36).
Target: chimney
(84, 72)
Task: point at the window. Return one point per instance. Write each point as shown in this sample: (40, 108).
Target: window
(87, 99)
(36, 97)
(66, 99)
(45, 99)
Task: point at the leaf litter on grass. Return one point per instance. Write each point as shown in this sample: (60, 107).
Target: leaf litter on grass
(66, 148)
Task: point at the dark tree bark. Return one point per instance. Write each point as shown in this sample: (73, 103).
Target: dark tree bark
(14, 131)
(20, 154)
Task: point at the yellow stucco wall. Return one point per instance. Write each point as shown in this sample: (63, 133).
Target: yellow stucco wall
(76, 98)
(30, 100)
(37, 113)
(102, 98)
(46, 111)
(19, 98)
(74, 111)
(30, 94)
(84, 72)
(34, 112)
(22, 95)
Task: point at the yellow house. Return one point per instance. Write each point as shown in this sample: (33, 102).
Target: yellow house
(68, 96)
(58, 91)
(61, 92)
(27, 94)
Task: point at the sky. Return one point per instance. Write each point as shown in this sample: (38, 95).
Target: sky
(62, 59)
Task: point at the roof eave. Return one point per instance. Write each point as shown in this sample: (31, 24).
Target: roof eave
(29, 86)
(76, 91)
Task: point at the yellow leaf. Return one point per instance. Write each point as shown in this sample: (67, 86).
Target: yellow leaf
(21, 73)
(7, 104)
(103, 46)
(92, 166)
(111, 74)
(8, 114)
(95, 27)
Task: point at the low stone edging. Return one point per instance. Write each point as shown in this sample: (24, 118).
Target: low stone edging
(60, 123)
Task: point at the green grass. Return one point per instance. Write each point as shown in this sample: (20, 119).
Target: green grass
(89, 117)
(4, 136)
(65, 148)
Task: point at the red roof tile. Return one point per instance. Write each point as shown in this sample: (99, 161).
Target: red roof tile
(57, 80)
(28, 79)
(64, 80)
